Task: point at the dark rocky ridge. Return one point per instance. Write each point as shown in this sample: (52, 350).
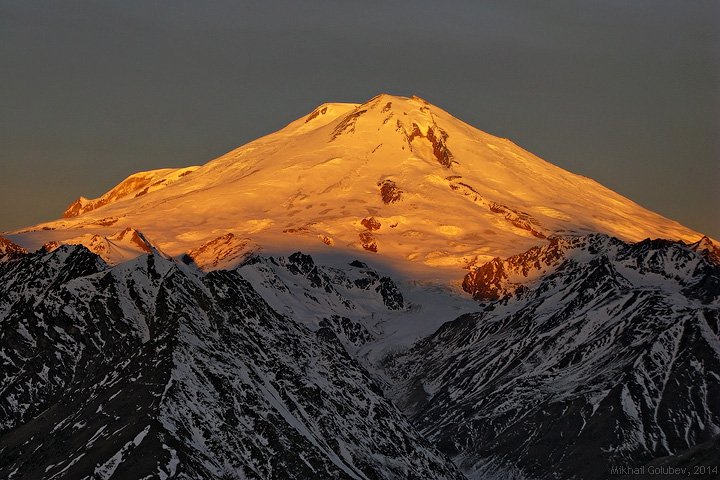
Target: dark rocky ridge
(152, 368)
(596, 353)
(608, 355)
(9, 249)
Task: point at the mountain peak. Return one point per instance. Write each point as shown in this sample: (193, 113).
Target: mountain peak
(9, 249)
(445, 195)
(113, 248)
(135, 185)
(706, 247)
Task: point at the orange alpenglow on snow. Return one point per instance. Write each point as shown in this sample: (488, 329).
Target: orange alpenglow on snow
(394, 177)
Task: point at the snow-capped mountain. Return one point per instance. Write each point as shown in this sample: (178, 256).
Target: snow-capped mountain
(113, 249)
(152, 369)
(395, 175)
(594, 353)
(376, 291)
(8, 249)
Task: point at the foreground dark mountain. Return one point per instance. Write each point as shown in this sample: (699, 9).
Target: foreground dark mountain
(593, 353)
(596, 353)
(152, 369)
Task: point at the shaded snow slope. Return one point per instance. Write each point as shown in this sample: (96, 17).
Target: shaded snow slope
(151, 369)
(395, 176)
(373, 313)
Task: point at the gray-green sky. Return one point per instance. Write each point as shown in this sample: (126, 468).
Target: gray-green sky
(625, 92)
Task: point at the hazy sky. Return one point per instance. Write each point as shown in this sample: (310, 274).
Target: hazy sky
(625, 92)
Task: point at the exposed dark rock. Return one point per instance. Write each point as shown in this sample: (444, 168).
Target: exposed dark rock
(707, 248)
(392, 298)
(438, 139)
(371, 223)
(9, 249)
(317, 112)
(367, 240)
(352, 332)
(390, 192)
(347, 125)
(301, 263)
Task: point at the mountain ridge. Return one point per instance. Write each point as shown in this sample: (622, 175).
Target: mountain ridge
(300, 307)
(413, 167)
(154, 368)
(596, 353)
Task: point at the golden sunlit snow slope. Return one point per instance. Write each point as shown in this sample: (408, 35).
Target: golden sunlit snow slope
(396, 175)
(135, 185)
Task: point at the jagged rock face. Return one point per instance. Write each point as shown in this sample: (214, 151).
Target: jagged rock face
(153, 369)
(322, 295)
(9, 250)
(707, 248)
(670, 260)
(353, 332)
(224, 252)
(608, 355)
(37, 359)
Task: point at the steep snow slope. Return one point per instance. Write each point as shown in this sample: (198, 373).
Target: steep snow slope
(135, 185)
(151, 369)
(607, 354)
(396, 176)
(113, 249)
(372, 313)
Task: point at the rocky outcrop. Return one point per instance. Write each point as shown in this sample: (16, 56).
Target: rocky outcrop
(438, 139)
(390, 192)
(113, 249)
(316, 113)
(347, 124)
(371, 223)
(9, 249)
(707, 248)
(368, 242)
(226, 251)
(598, 354)
(500, 278)
(518, 219)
